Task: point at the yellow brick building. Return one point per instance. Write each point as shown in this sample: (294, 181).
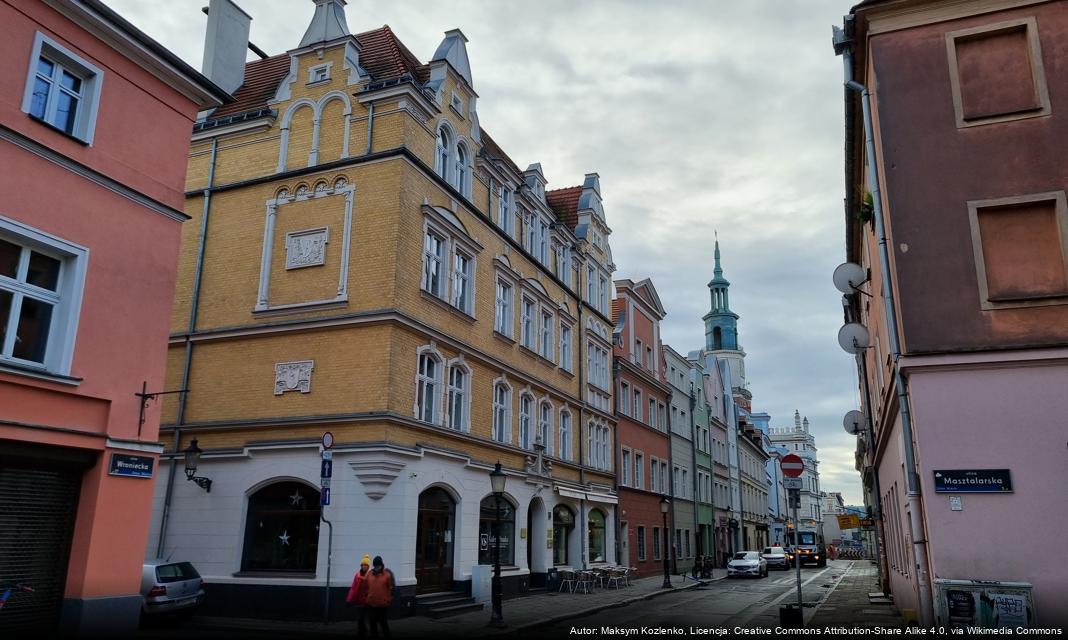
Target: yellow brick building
(364, 260)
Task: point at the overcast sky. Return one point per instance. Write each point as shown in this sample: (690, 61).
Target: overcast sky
(698, 115)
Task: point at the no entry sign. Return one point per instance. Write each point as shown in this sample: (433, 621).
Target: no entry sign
(792, 465)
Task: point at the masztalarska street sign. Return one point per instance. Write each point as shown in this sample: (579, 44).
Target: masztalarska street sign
(972, 481)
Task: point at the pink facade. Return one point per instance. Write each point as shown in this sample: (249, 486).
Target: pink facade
(89, 232)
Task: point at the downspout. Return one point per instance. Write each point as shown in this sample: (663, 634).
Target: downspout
(844, 46)
(676, 541)
(370, 126)
(193, 309)
(693, 472)
(583, 539)
(617, 452)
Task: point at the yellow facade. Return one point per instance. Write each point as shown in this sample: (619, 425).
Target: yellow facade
(363, 344)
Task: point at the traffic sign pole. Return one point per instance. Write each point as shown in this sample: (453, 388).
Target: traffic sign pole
(792, 467)
(796, 498)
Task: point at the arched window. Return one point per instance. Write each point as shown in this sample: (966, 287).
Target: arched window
(459, 395)
(595, 534)
(489, 534)
(426, 392)
(282, 529)
(526, 409)
(545, 426)
(502, 413)
(565, 435)
(441, 160)
(461, 173)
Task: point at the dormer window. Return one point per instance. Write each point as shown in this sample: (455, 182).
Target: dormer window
(457, 103)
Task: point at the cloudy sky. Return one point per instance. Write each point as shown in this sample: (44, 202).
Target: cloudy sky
(699, 115)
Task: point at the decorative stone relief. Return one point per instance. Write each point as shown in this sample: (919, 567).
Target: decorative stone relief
(539, 466)
(306, 248)
(293, 376)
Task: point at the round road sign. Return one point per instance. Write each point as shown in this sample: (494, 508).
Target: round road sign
(792, 465)
(328, 440)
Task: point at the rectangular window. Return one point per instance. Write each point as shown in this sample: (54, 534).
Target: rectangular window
(543, 242)
(636, 355)
(433, 264)
(62, 89)
(624, 398)
(502, 412)
(462, 283)
(664, 476)
(591, 286)
(649, 364)
(604, 296)
(676, 488)
(654, 476)
(528, 337)
(638, 405)
(526, 406)
(546, 335)
(565, 435)
(532, 233)
(566, 359)
(641, 543)
(656, 543)
(624, 470)
(652, 413)
(685, 489)
(504, 322)
(639, 470)
(41, 279)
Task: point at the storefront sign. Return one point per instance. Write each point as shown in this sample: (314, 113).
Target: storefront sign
(131, 466)
(848, 521)
(972, 481)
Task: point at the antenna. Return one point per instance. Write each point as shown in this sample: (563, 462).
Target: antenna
(852, 422)
(854, 338)
(848, 276)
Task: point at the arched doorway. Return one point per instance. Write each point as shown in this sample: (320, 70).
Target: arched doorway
(538, 560)
(595, 533)
(434, 541)
(563, 526)
(282, 529)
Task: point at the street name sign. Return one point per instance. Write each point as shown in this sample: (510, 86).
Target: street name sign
(972, 481)
(792, 483)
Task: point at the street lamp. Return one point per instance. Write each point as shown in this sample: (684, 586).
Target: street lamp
(664, 504)
(497, 478)
(192, 459)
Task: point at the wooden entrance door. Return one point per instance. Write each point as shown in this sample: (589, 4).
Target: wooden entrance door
(434, 542)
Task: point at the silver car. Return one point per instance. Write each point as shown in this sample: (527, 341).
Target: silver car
(776, 557)
(747, 563)
(170, 586)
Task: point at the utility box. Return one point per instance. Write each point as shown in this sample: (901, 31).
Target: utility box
(482, 582)
(791, 616)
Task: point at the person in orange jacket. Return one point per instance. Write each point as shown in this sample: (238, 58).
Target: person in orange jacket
(380, 585)
(358, 596)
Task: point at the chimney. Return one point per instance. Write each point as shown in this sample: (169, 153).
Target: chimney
(226, 44)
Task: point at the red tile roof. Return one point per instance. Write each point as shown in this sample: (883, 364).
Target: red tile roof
(564, 202)
(382, 55)
(618, 305)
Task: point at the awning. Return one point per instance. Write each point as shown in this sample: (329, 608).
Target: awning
(568, 493)
(603, 498)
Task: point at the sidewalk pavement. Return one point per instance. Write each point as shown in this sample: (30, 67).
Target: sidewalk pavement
(848, 604)
(520, 614)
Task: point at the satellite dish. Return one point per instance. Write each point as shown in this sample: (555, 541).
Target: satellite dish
(852, 422)
(848, 276)
(853, 338)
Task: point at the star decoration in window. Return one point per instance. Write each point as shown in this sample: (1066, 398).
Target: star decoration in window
(296, 499)
(284, 538)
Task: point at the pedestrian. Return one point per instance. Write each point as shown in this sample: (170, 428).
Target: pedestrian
(358, 596)
(380, 585)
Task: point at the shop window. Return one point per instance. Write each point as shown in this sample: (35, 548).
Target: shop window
(282, 529)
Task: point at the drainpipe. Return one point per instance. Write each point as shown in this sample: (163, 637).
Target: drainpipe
(370, 126)
(675, 541)
(618, 453)
(329, 558)
(193, 309)
(843, 45)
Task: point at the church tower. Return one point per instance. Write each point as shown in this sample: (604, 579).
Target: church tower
(721, 332)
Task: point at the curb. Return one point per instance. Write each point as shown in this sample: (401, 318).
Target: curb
(602, 607)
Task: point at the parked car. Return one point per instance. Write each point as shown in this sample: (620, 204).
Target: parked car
(747, 563)
(776, 558)
(170, 586)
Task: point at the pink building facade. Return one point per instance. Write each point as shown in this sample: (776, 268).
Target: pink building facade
(94, 133)
(964, 377)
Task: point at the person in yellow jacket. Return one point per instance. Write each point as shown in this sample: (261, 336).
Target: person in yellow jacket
(358, 596)
(380, 585)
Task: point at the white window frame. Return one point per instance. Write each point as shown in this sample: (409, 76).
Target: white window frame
(638, 409)
(66, 299)
(504, 306)
(64, 59)
(604, 295)
(502, 413)
(462, 171)
(566, 356)
(526, 420)
(565, 434)
(624, 466)
(545, 425)
(591, 286)
(435, 384)
(320, 73)
(441, 260)
(639, 471)
(654, 475)
(443, 155)
(528, 332)
(464, 391)
(463, 281)
(545, 333)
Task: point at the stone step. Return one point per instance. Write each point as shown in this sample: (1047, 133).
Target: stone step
(454, 609)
